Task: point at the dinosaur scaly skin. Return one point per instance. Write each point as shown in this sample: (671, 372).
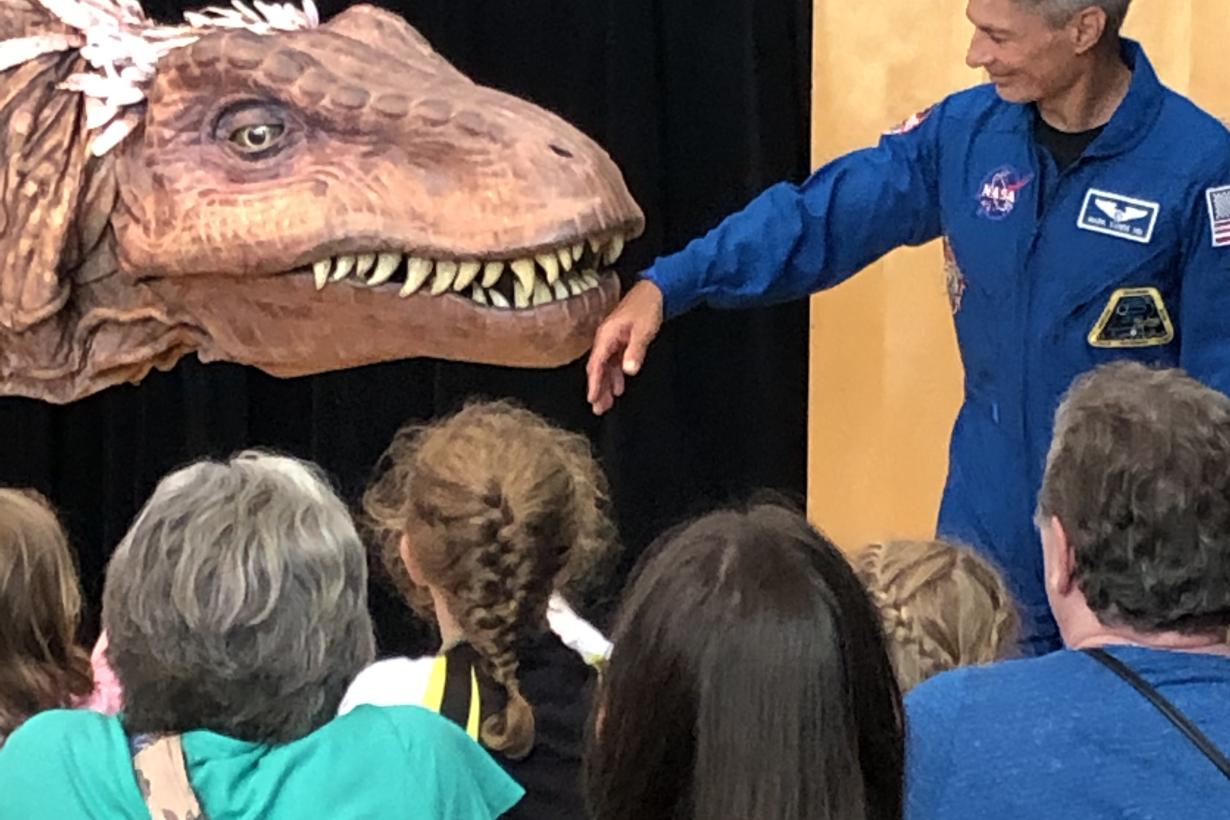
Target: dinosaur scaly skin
(300, 202)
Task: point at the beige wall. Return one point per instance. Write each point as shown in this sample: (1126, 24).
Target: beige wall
(885, 376)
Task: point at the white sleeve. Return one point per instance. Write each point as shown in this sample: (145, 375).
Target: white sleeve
(392, 682)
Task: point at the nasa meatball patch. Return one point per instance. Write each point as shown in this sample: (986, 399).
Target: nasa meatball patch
(998, 192)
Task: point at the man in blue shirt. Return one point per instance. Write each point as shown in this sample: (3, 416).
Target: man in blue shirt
(1135, 519)
(1085, 210)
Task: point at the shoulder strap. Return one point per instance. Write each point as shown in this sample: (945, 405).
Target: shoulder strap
(1172, 713)
(162, 776)
(453, 691)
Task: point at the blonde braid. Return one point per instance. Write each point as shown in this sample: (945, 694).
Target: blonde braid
(941, 606)
(916, 655)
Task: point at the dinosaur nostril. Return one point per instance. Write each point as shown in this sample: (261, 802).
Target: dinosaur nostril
(563, 152)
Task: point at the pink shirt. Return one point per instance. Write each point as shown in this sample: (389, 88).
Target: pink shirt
(108, 695)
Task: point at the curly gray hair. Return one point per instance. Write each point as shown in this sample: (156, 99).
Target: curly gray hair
(1139, 476)
(238, 602)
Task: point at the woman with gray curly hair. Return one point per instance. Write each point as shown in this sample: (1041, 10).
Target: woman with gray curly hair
(236, 609)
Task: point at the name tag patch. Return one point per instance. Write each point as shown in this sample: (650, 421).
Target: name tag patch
(1133, 317)
(1118, 215)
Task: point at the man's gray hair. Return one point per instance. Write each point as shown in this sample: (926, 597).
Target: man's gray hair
(1061, 11)
(1138, 474)
(238, 602)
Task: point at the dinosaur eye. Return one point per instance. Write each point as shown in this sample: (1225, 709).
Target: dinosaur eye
(252, 139)
(254, 130)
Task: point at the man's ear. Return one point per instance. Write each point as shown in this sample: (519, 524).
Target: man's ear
(1086, 28)
(45, 160)
(1061, 563)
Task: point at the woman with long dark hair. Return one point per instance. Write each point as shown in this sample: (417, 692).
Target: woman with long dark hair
(749, 680)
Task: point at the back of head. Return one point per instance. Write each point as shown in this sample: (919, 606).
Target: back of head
(941, 606)
(1138, 475)
(237, 602)
(41, 665)
(749, 679)
(500, 508)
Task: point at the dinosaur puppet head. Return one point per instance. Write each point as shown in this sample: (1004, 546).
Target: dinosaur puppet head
(299, 201)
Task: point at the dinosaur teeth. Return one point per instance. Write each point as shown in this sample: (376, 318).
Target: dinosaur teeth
(565, 258)
(386, 265)
(343, 265)
(575, 286)
(561, 290)
(589, 279)
(614, 250)
(320, 271)
(446, 272)
(478, 294)
(363, 263)
(521, 297)
(467, 272)
(523, 269)
(541, 295)
(595, 245)
(577, 250)
(498, 300)
(417, 271)
(550, 265)
(492, 271)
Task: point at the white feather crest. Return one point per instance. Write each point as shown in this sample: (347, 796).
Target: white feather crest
(123, 46)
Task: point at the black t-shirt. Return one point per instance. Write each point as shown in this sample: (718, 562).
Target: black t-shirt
(1066, 147)
(559, 686)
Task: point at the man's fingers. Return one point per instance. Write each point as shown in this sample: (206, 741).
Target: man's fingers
(634, 353)
(607, 347)
(617, 381)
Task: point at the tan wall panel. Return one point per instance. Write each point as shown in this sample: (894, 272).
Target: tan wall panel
(885, 374)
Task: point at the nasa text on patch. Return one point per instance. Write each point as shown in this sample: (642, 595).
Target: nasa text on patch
(1118, 215)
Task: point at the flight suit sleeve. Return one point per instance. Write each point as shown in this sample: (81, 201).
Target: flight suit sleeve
(1204, 308)
(793, 240)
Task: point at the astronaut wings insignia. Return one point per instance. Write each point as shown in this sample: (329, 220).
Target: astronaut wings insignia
(1119, 213)
(1119, 216)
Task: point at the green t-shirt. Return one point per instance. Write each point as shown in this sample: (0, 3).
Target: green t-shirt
(375, 762)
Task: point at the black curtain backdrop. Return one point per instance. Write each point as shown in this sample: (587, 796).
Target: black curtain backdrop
(703, 103)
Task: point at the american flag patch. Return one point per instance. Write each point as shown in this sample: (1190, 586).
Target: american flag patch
(1219, 215)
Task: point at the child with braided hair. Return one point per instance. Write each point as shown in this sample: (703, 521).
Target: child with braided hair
(941, 606)
(481, 518)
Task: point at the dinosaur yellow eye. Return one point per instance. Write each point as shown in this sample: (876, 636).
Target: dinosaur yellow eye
(252, 139)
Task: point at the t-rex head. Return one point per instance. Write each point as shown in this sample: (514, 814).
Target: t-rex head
(299, 201)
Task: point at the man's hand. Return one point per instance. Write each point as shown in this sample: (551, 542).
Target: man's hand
(621, 343)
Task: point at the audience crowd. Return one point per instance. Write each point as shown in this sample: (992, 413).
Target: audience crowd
(753, 670)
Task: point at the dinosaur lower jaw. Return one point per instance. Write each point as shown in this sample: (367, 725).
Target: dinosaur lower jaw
(283, 325)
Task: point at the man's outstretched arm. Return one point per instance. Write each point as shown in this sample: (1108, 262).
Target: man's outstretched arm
(790, 241)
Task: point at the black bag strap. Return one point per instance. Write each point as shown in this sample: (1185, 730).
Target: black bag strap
(1172, 713)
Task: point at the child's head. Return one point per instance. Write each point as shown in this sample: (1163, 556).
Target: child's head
(749, 679)
(941, 605)
(491, 509)
(41, 665)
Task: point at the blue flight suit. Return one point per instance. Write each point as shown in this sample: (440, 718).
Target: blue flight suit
(1125, 254)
